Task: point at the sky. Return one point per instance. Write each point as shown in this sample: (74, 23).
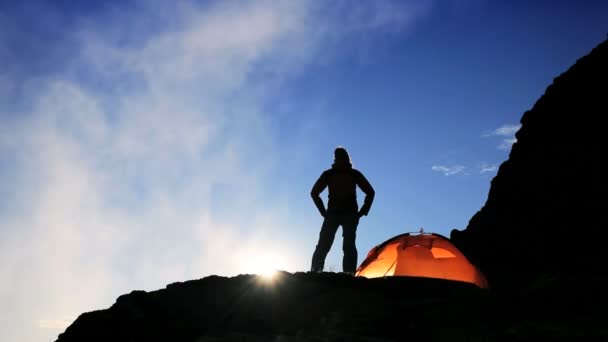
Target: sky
(149, 142)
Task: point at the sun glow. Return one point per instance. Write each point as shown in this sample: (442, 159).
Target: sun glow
(266, 266)
(269, 274)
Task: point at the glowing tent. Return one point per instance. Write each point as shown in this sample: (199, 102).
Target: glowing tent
(420, 255)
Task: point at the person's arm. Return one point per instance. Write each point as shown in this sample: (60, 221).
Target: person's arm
(369, 194)
(316, 191)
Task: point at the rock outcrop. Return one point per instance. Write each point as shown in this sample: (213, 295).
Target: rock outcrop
(336, 307)
(547, 208)
(294, 307)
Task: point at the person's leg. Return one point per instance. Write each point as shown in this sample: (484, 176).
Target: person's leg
(349, 233)
(326, 239)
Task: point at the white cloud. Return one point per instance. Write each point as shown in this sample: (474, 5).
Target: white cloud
(448, 170)
(507, 144)
(503, 131)
(484, 168)
(507, 132)
(460, 169)
(113, 189)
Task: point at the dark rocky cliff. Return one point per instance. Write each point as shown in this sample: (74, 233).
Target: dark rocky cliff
(295, 307)
(548, 205)
(336, 307)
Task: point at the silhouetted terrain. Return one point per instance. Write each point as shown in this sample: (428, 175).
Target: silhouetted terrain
(548, 204)
(537, 239)
(334, 307)
(296, 307)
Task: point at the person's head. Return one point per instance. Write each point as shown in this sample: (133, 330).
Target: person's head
(341, 155)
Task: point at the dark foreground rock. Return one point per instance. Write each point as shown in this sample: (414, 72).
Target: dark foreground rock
(548, 205)
(336, 307)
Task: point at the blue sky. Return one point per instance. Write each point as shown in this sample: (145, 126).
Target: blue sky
(143, 143)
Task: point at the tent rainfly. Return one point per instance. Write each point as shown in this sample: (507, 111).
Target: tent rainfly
(420, 255)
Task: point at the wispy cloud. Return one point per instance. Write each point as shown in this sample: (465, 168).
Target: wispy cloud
(484, 168)
(449, 170)
(507, 133)
(503, 131)
(114, 180)
(506, 144)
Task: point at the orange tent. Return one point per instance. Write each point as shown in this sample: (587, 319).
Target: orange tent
(420, 255)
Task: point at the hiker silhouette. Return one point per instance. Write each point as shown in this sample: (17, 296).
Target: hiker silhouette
(342, 209)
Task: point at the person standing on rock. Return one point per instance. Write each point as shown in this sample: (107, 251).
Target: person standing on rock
(342, 209)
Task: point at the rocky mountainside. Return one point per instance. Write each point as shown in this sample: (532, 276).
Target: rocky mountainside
(294, 307)
(334, 307)
(548, 205)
